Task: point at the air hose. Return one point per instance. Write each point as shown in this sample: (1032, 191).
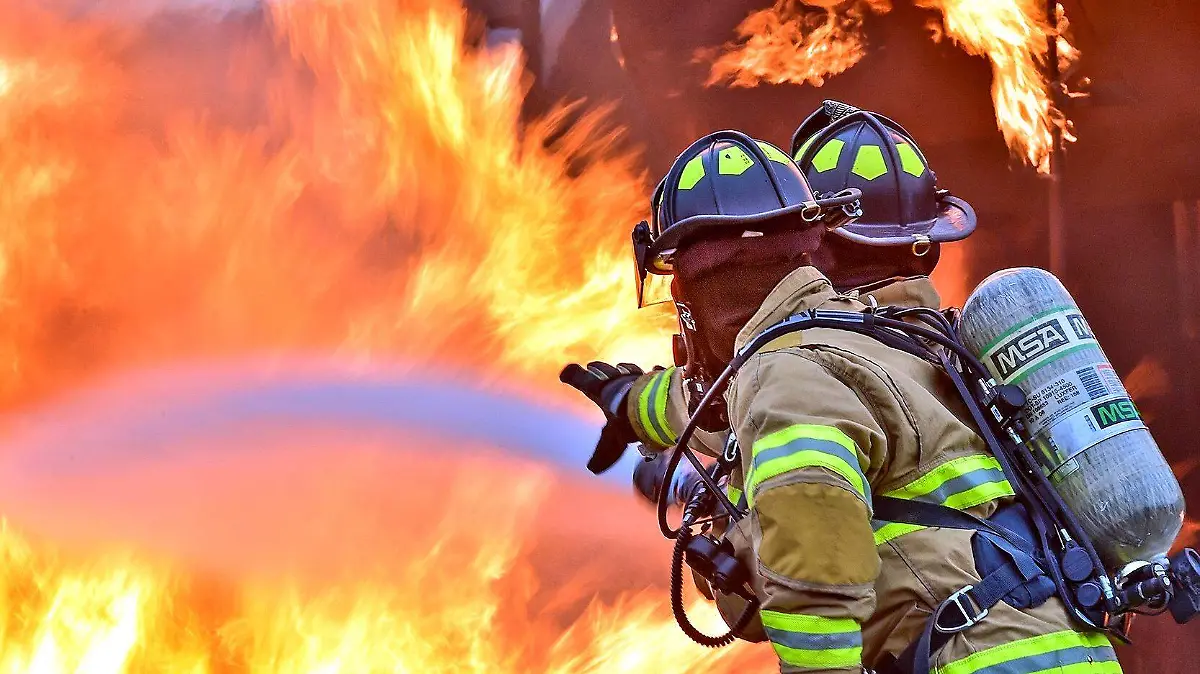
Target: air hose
(681, 615)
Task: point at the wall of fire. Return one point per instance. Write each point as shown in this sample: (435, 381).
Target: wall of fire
(1131, 183)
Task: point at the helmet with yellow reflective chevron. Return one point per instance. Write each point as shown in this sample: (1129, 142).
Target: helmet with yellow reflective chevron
(840, 146)
(728, 180)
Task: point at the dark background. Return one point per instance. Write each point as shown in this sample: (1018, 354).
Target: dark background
(1131, 184)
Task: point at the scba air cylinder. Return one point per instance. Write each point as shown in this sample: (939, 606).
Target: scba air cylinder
(1085, 430)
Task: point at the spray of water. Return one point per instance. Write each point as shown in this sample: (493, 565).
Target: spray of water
(243, 460)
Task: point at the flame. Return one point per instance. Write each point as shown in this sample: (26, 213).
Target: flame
(330, 176)
(378, 166)
(467, 605)
(1068, 54)
(792, 42)
(1013, 35)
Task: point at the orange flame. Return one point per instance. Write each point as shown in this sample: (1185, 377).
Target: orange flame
(466, 604)
(382, 174)
(1013, 36)
(1147, 383)
(950, 277)
(351, 177)
(791, 42)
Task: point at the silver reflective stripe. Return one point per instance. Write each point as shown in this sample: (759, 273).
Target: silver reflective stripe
(961, 484)
(814, 642)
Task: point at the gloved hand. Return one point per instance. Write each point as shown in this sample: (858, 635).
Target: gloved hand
(649, 476)
(607, 386)
(687, 490)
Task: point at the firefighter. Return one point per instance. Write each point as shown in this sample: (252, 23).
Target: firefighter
(827, 418)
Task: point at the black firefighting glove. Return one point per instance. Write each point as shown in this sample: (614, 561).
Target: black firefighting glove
(650, 475)
(607, 386)
(687, 489)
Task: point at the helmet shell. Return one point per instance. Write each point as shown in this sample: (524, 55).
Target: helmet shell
(841, 147)
(724, 180)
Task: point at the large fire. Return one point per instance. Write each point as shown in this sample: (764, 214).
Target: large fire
(795, 41)
(343, 177)
(438, 594)
(360, 185)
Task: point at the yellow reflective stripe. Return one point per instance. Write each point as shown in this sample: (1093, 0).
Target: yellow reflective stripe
(644, 403)
(1095, 646)
(894, 530)
(814, 642)
(662, 426)
(827, 157)
(813, 431)
(964, 501)
(811, 624)
(869, 163)
(733, 161)
(931, 481)
(910, 161)
(838, 658)
(979, 495)
(805, 446)
(961, 483)
(804, 459)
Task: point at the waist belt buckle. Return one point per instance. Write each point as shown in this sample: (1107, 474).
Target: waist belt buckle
(972, 613)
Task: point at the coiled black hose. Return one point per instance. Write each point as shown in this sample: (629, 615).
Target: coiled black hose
(681, 615)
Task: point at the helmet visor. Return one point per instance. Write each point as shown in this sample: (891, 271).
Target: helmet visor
(654, 289)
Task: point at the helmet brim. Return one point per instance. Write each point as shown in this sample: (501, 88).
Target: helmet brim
(689, 227)
(955, 222)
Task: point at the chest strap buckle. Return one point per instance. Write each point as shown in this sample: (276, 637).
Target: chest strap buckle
(968, 612)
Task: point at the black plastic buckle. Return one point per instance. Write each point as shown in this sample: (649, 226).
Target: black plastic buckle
(969, 610)
(1184, 603)
(715, 561)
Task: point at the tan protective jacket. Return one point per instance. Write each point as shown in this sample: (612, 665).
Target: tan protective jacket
(825, 418)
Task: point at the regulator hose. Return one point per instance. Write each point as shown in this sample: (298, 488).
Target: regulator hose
(681, 615)
(877, 325)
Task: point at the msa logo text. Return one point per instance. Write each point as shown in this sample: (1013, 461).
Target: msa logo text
(1027, 346)
(1114, 412)
(1080, 326)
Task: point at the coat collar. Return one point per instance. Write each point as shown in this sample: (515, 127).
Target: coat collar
(806, 288)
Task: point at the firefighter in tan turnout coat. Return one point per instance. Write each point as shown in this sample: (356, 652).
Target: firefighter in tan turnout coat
(825, 418)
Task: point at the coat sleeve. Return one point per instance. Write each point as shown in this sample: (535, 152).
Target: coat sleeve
(658, 411)
(806, 438)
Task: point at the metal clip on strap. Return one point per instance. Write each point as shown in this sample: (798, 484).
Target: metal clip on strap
(970, 611)
(811, 212)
